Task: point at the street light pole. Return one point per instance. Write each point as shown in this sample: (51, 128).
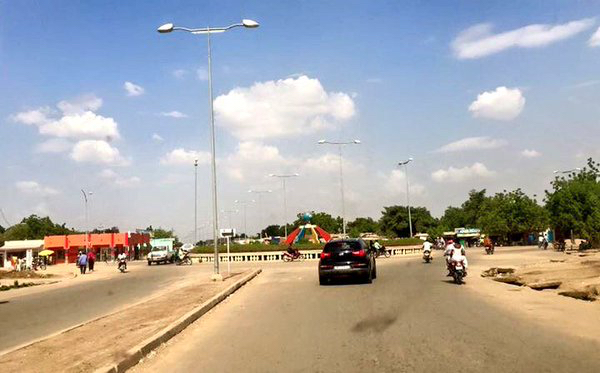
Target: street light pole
(244, 205)
(87, 224)
(283, 178)
(167, 28)
(340, 145)
(195, 202)
(405, 164)
(260, 193)
(567, 171)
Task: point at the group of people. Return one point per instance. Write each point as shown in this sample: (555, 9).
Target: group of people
(454, 251)
(85, 260)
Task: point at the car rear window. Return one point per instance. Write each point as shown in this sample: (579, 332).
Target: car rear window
(332, 247)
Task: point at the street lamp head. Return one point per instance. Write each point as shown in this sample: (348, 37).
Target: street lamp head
(356, 141)
(271, 175)
(249, 23)
(321, 142)
(578, 168)
(166, 28)
(410, 158)
(296, 174)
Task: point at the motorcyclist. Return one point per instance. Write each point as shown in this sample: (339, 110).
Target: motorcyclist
(377, 246)
(122, 258)
(291, 251)
(427, 248)
(458, 254)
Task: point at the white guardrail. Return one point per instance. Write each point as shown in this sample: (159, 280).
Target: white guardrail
(274, 256)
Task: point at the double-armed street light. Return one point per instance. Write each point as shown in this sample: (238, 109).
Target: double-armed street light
(167, 28)
(86, 195)
(340, 145)
(283, 177)
(566, 171)
(405, 164)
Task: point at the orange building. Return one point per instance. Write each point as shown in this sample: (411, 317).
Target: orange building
(102, 244)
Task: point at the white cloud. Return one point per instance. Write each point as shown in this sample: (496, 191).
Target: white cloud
(86, 125)
(472, 143)
(133, 89)
(594, 40)
(174, 114)
(34, 188)
(157, 137)
(81, 104)
(530, 153)
(500, 104)
(181, 156)
(120, 181)
(253, 159)
(78, 120)
(97, 151)
(202, 74)
(395, 183)
(457, 175)
(282, 108)
(57, 145)
(479, 41)
(30, 117)
(179, 73)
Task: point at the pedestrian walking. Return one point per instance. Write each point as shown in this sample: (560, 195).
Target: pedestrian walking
(82, 261)
(91, 258)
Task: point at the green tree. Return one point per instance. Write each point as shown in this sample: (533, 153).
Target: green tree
(512, 216)
(35, 228)
(323, 220)
(467, 215)
(273, 230)
(574, 204)
(394, 221)
(362, 225)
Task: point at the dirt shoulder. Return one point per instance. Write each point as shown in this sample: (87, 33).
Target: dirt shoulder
(561, 272)
(104, 341)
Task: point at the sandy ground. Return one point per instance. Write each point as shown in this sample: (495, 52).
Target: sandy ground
(545, 308)
(101, 342)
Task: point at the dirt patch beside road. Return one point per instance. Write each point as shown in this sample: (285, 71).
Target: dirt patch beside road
(104, 341)
(574, 276)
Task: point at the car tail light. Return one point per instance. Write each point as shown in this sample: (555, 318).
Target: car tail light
(360, 253)
(325, 255)
(327, 267)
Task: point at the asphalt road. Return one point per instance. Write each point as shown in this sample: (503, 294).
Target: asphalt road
(410, 319)
(32, 316)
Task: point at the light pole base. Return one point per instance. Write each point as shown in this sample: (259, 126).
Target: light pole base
(216, 277)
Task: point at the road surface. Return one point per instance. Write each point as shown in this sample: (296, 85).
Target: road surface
(412, 318)
(31, 316)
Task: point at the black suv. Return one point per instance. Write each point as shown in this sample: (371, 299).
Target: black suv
(347, 258)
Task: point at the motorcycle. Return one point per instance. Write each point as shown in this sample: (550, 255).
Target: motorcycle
(427, 256)
(38, 263)
(382, 251)
(186, 260)
(122, 265)
(458, 271)
(489, 250)
(287, 257)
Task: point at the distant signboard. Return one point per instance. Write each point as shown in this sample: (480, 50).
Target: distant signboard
(227, 232)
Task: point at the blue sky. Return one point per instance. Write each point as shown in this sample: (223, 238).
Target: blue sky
(491, 95)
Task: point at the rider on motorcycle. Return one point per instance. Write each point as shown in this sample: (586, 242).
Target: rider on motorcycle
(455, 252)
(122, 258)
(427, 248)
(291, 251)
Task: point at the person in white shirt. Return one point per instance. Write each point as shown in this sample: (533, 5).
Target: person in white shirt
(122, 257)
(427, 247)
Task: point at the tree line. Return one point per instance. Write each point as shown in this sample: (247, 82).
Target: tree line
(570, 208)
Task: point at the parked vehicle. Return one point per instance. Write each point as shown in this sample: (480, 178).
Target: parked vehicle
(160, 255)
(427, 256)
(347, 258)
(38, 263)
(287, 257)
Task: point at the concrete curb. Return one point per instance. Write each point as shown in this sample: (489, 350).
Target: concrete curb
(136, 353)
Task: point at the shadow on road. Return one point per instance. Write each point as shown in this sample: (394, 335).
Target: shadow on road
(376, 323)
